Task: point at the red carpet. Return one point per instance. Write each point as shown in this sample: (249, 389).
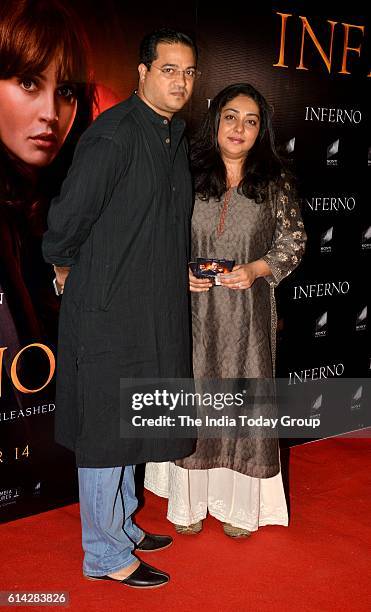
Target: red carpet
(322, 562)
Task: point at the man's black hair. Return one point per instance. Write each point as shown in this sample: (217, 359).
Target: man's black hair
(148, 46)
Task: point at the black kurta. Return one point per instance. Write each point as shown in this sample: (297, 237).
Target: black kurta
(122, 223)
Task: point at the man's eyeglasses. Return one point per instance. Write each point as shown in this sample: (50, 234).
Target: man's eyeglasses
(169, 72)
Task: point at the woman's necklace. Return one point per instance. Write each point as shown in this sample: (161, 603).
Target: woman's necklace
(223, 213)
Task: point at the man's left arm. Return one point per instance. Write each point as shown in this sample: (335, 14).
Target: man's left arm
(85, 193)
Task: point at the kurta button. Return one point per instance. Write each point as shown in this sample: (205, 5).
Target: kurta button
(167, 140)
(173, 188)
(165, 122)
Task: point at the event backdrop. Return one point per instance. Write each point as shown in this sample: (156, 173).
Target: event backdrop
(315, 71)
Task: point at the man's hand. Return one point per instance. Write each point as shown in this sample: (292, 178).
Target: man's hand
(61, 273)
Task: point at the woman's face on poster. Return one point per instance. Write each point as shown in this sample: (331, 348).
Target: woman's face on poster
(36, 115)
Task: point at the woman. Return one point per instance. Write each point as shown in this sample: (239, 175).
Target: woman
(245, 210)
(46, 102)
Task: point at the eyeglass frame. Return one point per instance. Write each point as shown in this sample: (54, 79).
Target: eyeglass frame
(177, 71)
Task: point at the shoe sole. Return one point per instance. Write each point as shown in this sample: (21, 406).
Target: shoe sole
(235, 532)
(131, 586)
(237, 535)
(139, 550)
(183, 530)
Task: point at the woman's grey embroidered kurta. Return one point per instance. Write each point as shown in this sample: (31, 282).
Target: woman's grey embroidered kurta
(234, 331)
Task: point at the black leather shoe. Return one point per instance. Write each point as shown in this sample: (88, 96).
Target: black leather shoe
(152, 542)
(144, 577)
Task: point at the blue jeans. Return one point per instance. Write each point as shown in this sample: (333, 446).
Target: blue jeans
(107, 502)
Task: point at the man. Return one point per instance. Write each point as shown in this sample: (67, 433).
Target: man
(119, 234)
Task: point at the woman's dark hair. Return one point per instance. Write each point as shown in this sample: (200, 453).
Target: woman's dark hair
(262, 165)
(32, 34)
(148, 46)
